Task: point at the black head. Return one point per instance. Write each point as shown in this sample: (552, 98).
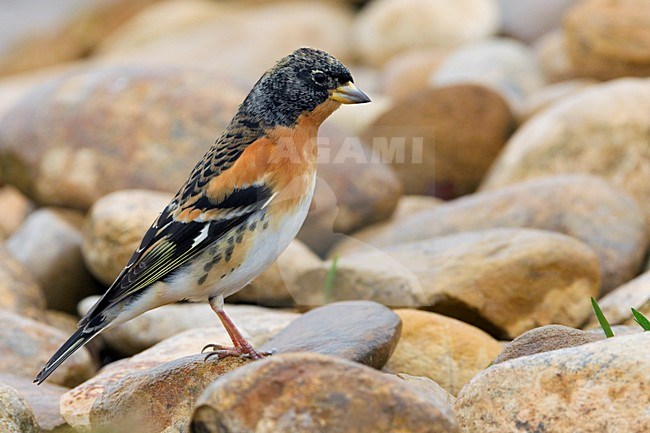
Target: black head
(298, 84)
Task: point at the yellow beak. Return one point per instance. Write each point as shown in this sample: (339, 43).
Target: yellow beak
(348, 93)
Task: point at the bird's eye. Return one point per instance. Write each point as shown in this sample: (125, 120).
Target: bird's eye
(319, 77)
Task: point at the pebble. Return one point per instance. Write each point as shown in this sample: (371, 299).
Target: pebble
(506, 66)
(19, 291)
(596, 386)
(607, 40)
(544, 339)
(425, 140)
(445, 350)
(385, 28)
(15, 208)
(83, 128)
(26, 345)
(617, 304)
(313, 394)
(156, 389)
(43, 401)
(586, 207)
(531, 277)
(48, 245)
(15, 414)
(602, 130)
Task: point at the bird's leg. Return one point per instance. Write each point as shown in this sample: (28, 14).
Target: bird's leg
(241, 347)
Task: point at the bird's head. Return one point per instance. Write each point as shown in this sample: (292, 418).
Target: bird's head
(301, 83)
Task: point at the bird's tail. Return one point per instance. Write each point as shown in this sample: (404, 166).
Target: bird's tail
(81, 336)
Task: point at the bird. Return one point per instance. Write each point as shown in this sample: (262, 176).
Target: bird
(241, 206)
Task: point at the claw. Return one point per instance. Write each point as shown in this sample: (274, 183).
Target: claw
(214, 347)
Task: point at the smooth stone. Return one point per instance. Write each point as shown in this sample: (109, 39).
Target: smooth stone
(354, 188)
(62, 321)
(385, 28)
(19, 291)
(26, 345)
(503, 65)
(190, 38)
(15, 414)
(314, 393)
(617, 304)
(596, 386)
(409, 72)
(115, 225)
(551, 94)
(427, 386)
(426, 140)
(407, 206)
(586, 207)
(602, 130)
(443, 349)
(356, 118)
(527, 20)
(607, 40)
(363, 331)
(531, 277)
(552, 57)
(544, 339)
(88, 126)
(158, 399)
(275, 287)
(44, 402)
(159, 324)
(15, 208)
(48, 244)
(69, 28)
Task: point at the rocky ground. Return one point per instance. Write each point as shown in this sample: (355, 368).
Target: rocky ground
(442, 280)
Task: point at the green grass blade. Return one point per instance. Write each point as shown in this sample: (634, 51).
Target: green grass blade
(329, 280)
(602, 319)
(641, 320)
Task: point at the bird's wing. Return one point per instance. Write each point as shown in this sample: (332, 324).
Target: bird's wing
(191, 222)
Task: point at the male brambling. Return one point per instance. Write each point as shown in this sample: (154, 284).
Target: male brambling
(241, 206)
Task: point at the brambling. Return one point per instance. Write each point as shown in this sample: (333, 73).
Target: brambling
(242, 204)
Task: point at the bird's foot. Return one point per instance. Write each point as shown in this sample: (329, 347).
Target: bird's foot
(242, 351)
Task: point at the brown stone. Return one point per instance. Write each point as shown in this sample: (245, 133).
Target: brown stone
(443, 349)
(15, 208)
(592, 388)
(354, 188)
(602, 130)
(545, 339)
(114, 228)
(608, 40)
(70, 30)
(63, 140)
(48, 244)
(19, 292)
(26, 345)
(316, 394)
(550, 95)
(427, 140)
(531, 278)
(585, 207)
(43, 400)
(361, 331)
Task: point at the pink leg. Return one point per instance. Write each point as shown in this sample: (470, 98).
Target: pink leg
(241, 347)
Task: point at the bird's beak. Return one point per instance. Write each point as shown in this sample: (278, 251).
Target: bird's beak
(348, 93)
